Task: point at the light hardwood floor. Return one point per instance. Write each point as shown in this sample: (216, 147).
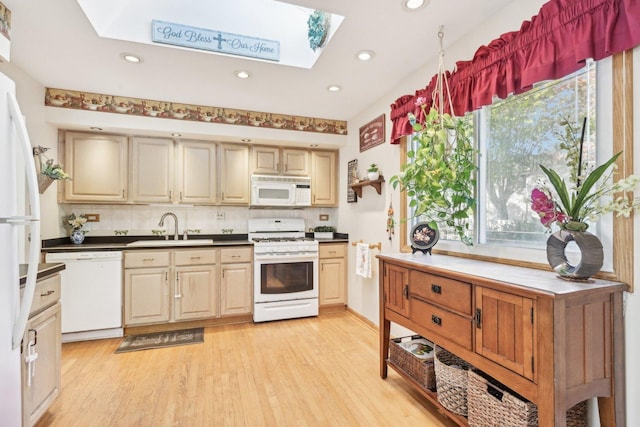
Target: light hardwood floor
(320, 371)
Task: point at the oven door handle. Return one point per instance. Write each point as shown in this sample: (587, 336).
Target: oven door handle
(290, 257)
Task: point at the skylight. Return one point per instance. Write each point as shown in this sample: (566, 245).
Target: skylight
(273, 21)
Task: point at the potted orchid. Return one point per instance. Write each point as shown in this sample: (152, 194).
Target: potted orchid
(588, 194)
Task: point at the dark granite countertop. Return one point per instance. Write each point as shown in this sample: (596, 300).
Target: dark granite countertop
(44, 270)
(119, 243)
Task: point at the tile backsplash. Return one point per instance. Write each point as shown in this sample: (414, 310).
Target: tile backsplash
(142, 219)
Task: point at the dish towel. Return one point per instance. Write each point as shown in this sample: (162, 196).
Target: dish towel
(363, 260)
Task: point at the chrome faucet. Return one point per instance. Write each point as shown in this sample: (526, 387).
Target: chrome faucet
(175, 223)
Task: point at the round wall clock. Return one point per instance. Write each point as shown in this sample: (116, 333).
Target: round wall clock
(423, 237)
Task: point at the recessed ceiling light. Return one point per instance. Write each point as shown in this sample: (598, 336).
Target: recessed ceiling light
(414, 4)
(241, 74)
(131, 58)
(365, 55)
(334, 88)
(176, 134)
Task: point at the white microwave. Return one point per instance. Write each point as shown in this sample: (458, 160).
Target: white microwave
(274, 191)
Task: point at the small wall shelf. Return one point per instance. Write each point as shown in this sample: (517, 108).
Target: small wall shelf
(377, 184)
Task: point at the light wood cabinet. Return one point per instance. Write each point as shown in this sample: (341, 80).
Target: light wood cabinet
(166, 286)
(234, 174)
(236, 282)
(146, 287)
(276, 160)
(324, 178)
(152, 170)
(553, 342)
(333, 274)
(195, 293)
(98, 166)
(43, 336)
(196, 173)
(165, 172)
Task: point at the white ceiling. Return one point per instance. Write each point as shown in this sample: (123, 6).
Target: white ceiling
(54, 42)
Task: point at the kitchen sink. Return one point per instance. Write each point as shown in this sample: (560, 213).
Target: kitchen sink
(190, 242)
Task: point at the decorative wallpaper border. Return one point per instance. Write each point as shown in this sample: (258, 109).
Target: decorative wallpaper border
(88, 101)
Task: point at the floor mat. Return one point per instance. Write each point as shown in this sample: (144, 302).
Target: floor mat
(161, 339)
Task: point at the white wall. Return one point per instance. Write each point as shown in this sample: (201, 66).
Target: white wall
(366, 219)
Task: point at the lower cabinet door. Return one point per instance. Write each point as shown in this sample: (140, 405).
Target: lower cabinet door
(146, 296)
(196, 292)
(41, 376)
(236, 290)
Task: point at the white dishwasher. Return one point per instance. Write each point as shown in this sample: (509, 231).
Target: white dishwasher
(91, 294)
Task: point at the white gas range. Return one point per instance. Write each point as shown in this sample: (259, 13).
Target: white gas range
(285, 269)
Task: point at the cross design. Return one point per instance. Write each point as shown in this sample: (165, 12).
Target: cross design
(220, 40)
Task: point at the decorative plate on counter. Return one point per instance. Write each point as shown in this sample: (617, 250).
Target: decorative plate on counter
(423, 237)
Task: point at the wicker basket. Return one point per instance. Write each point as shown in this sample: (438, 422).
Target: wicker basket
(420, 368)
(491, 404)
(451, 381)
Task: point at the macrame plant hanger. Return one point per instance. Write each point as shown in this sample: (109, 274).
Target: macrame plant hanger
(442, 84)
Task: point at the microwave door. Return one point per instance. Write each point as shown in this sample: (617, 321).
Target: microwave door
(273, 195)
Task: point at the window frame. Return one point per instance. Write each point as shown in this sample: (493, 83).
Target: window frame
(622, 137)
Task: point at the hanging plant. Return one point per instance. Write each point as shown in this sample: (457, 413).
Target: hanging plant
(318, 24)
(440, 177)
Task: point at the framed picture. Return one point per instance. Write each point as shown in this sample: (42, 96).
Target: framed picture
(423, 237)
(372, 133)
(352, 175)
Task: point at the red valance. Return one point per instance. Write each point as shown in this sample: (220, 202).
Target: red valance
(554, 43)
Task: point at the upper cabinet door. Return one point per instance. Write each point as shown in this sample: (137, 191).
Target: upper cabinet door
(265, 160)
(323, 178)
(234, 174)
(295, 162)
(196, 172)
(152, 171)
(98, 167)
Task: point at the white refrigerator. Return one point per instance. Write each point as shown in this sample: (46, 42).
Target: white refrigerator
(16, 220)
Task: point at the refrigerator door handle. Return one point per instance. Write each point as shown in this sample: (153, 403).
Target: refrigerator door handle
(17, 220)
(34, 200)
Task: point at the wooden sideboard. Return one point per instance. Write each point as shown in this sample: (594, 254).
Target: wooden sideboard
(552, 341)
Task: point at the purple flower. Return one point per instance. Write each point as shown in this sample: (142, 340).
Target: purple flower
(542, 204)
(420, 100)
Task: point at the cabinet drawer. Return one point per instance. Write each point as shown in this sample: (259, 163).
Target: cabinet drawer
(195, 257)
(448, 293)
(146, 259)
(235, 255)
(449, 325)
(332, 250)
(47, 293)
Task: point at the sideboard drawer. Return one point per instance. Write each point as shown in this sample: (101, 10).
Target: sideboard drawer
(442, 291)
(445, 323)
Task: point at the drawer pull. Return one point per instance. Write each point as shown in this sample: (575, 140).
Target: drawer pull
(478, 318)
(195, 257)
(436, 289)
(435, 319)
(332, 252)
(46, 294)
(235, 256)
(148, 259)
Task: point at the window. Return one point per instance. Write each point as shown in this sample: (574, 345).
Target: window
(514, 137)
(506, 230)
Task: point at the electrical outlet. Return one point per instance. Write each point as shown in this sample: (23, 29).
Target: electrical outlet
(92, 217)
(324, 217)
(220, 216)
